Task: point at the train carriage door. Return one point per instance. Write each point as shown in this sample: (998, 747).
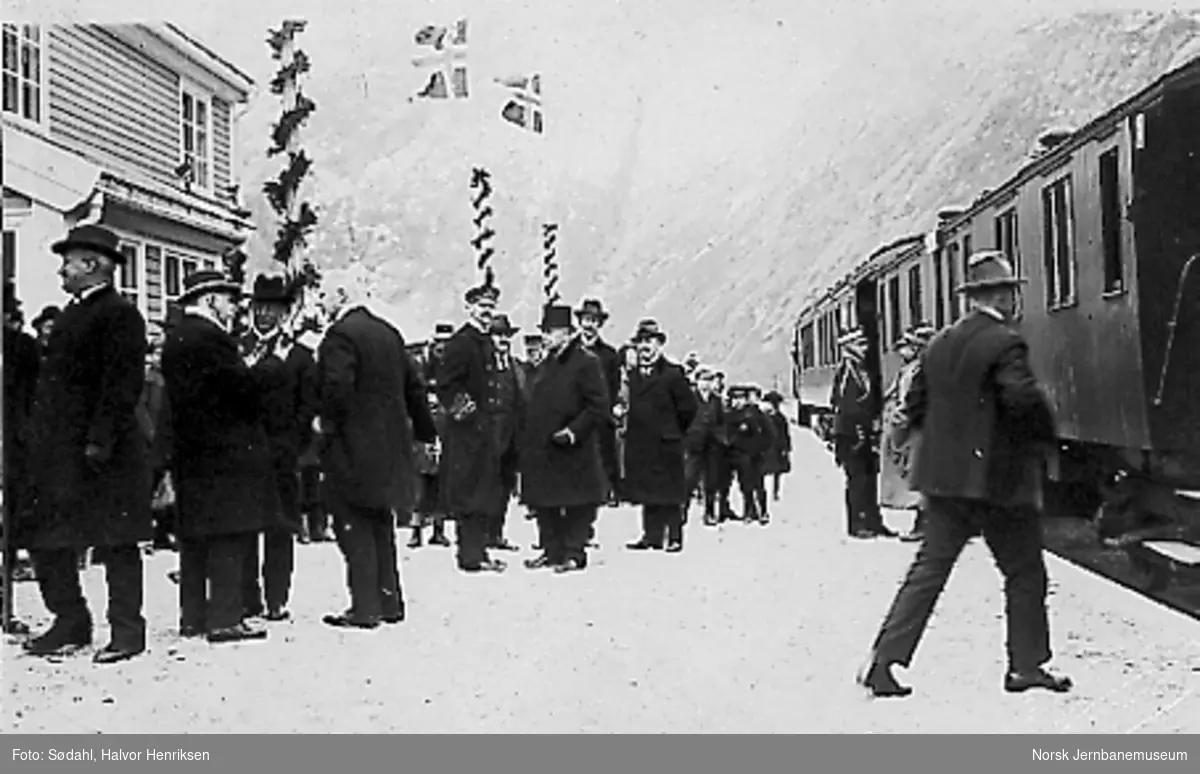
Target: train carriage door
(866, 309)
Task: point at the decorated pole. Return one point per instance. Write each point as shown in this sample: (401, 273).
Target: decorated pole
(484, 233)
(550, 263)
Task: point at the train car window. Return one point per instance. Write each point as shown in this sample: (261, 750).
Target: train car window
(1058, 243)
(10, 255)
(1110, 222)
(966, 257)
(807, 348)
(939, 291)
(895, 317)
(1007, 242)
(916, 301)
(881, 316)
(820, 341)
(952, 281)
(838, 323)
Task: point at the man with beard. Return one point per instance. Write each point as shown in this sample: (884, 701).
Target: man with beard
(560, 456)
(592, 316)
(749, 440)
(506, 392)
(373, 405)
(854, 418)
(21, 363)
(704, 446)
(87, 457)
(661, 409)
(221, 462)
(287, 376)
(471, 478)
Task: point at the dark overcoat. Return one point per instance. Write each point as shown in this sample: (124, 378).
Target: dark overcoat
(749, 432)
(22, 360)
(289, 402)
(567, 391)
(220, 461)
(471, 481)
(610, 365)
(373, 404)
(88, 391)
(779, 456)
(661, 409)
(507, 407)
(985, 422)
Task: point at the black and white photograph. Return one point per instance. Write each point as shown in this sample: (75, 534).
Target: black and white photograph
(634, 367)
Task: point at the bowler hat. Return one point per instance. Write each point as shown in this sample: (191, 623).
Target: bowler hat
(738, 391)
(207, 281)
(989, 269)
(442, 331)
(593, 307)
(480, 293)
(773, 397)
(272, 289)
(90, 237)
(703, 372)
(534, 338)
(556, 316)
(502, 326)
(48, 314)
(648, 329)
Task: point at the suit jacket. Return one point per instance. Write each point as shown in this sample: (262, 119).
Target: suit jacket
(373, 403)
(852, 400)
(661, 409)
(984, 421)
(471, 480)
(220, 460)
(88, 390)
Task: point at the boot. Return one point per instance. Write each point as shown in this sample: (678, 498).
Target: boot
(415, 540)
(438, 538)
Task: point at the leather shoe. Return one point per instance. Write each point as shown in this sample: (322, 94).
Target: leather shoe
(239, 633)
(59, 640)
(674, 548)
(111, 654)
(1019, 682)
(277, 614)
(878, 680)
(571, 565)
(191, 631)
(538, 563)
(343, 621)
(642, 545)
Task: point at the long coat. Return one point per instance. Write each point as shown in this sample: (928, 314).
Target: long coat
(87, 394)
(567, 391)
(661, 409)
(373, 403)
(984, 421)
(853, 405)
(610, 365)
(895, 459)
(779, 456)
(471, 481)
(289, 402)
(22, 359)
(221, 462)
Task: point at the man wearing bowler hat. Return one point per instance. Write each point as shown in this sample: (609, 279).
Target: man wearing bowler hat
(506, 410)
(471, 478)
(986, 426)
(221, 463)
(564, 480)
(592, 316)
(88, 466)
(287, 375)
(662, 406)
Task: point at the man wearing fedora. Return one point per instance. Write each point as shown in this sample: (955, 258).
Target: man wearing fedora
(854, 416)
(661, 409)
(88, 470)
(373, 406)
(506, 409)
(287, 376)
(471, 476)
(563, 476)
(592, 316)
(221, 461)
(986, 426)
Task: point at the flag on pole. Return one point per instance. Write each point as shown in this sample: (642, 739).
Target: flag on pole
(447, 58)
(524, 109)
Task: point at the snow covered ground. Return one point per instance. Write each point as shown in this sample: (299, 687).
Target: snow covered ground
(750, 629)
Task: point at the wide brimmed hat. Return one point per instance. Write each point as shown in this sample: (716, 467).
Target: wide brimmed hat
(989, 269)
(852, 337)
(556, 316)
(442, 331)
(918, 335)
(91, 237)
(649, 329)
(502, 326)
(482, 293)
(773, 397)
(207, 281)
(272, 289)
(593, 307)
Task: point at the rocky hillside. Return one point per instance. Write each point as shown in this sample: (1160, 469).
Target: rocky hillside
(710, 169)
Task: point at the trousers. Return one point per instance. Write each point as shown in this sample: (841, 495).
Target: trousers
(57, 573)
(210, 581)
(367, 539)
(566, 532)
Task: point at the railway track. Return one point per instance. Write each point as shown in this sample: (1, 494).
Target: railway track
(1074, 540)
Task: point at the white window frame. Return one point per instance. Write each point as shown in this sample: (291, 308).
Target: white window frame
(42, 123)
(198, 96)
(170, 252)
(140, 285)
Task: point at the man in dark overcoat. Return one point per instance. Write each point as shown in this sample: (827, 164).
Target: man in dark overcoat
(592, 317)
(471, 477)
(564, 479)
(221, 461)
(704, 445)
(535, 350)
(287, 376)
(855, 418)
(90, 481)
(986, 427)
(661, 409)
(507, 405)
(373, 406)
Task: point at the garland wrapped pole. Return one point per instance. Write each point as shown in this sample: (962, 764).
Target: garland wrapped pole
(550, 262)
(297, 218)
(484, 233)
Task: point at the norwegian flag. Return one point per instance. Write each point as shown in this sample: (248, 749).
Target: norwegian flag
(524, 109)
(448, 60)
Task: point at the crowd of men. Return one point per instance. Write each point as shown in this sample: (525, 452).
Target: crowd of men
(122, 434)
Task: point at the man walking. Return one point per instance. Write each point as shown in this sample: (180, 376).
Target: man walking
(90, 481)
(373, 404)
(985, 426)
(562, 468)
